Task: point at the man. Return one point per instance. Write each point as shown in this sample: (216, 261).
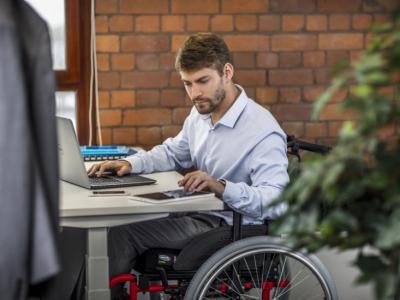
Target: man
(235, 144)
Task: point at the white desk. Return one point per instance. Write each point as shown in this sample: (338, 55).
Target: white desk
(78, 209)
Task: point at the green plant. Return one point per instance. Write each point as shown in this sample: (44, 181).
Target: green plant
(350, 198)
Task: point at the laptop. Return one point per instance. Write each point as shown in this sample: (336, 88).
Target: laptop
(72, 168)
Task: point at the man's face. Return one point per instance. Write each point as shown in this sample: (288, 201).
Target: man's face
(205, 88)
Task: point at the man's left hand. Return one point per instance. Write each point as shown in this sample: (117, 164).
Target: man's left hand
(200, 181)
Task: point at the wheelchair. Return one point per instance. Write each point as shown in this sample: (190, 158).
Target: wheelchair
(233, 262)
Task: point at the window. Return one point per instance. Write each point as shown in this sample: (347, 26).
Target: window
(69, 23)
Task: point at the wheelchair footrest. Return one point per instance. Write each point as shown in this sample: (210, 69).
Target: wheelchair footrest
(134, 287)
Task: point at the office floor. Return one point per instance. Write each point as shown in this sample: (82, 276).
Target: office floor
(344, 274)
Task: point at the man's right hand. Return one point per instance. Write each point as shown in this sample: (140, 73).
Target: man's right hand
(120, 167)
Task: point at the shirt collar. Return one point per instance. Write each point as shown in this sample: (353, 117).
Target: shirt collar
(232, 114)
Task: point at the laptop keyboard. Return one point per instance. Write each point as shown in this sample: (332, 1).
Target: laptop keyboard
(103, 179)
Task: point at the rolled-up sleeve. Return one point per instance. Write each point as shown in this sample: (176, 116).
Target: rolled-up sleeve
(267, 165)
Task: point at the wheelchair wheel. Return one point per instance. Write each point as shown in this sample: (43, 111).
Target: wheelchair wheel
(261, 268)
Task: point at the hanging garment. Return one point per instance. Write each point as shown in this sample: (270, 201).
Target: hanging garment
(28, 153)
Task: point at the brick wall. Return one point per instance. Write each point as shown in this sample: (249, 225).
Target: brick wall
(282, 51)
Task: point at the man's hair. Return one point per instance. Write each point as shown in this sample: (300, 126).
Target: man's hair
(202, 50)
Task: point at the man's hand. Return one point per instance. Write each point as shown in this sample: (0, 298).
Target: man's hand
(200, 181)
(120, 167)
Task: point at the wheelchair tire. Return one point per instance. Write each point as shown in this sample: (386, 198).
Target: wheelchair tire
(268, 270)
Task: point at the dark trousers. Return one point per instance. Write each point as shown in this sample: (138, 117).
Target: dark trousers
(127, 242)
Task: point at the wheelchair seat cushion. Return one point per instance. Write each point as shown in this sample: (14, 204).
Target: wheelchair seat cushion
(204, 245)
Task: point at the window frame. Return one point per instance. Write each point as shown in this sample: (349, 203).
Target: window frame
(76, 76)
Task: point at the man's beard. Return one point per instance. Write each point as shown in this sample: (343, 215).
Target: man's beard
(207, 105)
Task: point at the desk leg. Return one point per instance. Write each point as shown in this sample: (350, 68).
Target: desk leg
(97, 276)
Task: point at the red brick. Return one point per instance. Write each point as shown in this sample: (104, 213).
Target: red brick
(340, 41)
(101, 24)
(170, 131)
(110, 117)
(290, 77)
(313, 59)
(149, 136)
(196, 23)
(145, 79)
(124, 136)
(290, 95)
(250, 78)
(292, 23)
(177, 41)
(293, 42)
(104, 99)
(103, 62)
(147, 24)
(172, 23)
(180, 114)
(332, 112)
(290, 59)
(173, 97)
(244, 60)
(322, 75)
(361, 21)
(266, 95)
(175, 79)
(123, 98)
(242, 42)
(311, 93)
(145, 43)
(120, 23)
(194, 7)
(147, 62)
(167, 61)
(336, 56)
(222, 23)
(122, 62)
(317, 23)
(339, 6)
(246, 23)
(382, 18)
(244, 6)
(316, 129)
(147, 116)
(293, 128)
(339, 22)
(108, 80)
(106, 6)
(267, 60)
(334, 128)
(107, 43)
(269, 23)
(292, 112)
(105, 135)
(147, 98)
(293, 6)
(143, 6)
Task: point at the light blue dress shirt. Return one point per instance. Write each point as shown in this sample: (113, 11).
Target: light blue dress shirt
(246, 147)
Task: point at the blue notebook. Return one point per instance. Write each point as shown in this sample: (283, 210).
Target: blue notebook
(111, 152)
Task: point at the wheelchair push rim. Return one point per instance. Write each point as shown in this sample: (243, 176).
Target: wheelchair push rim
(294, 275)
